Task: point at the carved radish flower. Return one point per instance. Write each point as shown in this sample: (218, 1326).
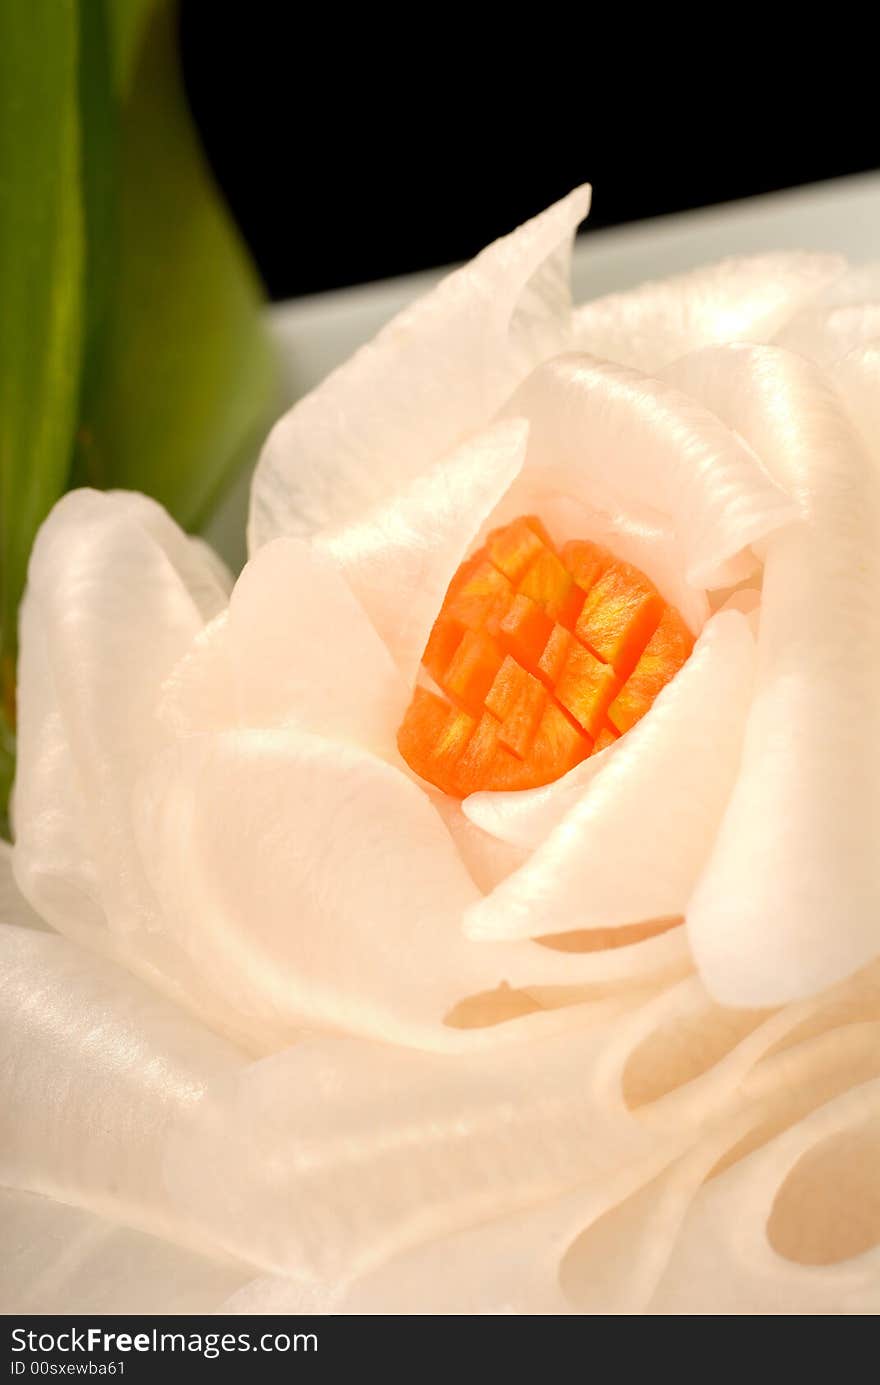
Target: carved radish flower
(475, 906)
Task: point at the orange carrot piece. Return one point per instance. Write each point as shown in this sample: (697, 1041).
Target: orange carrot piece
(455, 736)
(585, 561)
(524, 630)
(620, 615)
(516, 545)
(558, 746)
(507, 687)
(544, 658)
(481, 600)
(484, 764)
(607, 736)
(424, 720)
(586, 687)
(521, 721)
(431, 738)
(567, 611)
(668, 648)
(547, 582)
(443, 641)
(552, 660)
(472, 671)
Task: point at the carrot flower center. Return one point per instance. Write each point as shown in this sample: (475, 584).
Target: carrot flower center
(543, 657)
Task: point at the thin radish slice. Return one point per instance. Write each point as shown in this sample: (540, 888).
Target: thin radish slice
(436, 374)
(56, 1259)
(749, 298)
(97, 1069)
(790, 898)
(400, 556)
(633, 844)
(619, 440)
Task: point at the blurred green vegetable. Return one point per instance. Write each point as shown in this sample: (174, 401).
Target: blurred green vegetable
(132, 352)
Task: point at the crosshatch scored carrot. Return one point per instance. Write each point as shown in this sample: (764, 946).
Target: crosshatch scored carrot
(542, 657)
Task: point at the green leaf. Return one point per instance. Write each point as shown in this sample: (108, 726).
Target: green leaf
(132, 351)
(126, 21)
(187, 377)
(7, 771)
(99, 145)
(41, 251)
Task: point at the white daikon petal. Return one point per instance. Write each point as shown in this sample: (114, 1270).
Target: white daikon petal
(437, 373)
(304, 653)
(790, 899)
(200, 693)
(607, 1246)
(14, 908)
(650, 544)
(314, 884)
(51, 859)
(511, 1265)
(277, 862)
(61, 1260)
(843, 318)
(631, 848)
(391, 1147)
(96, 1070)
(619, 440)
(857, 377)
(794, 1228)
(602, 1247)
(607, 964)
(525, 817)
(487, 857)
(741, 299)
(401, 554)
(116, 595)
(826, 336)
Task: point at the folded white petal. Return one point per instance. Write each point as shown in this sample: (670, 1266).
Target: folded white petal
(828, 335)
(648, 541)
(790, 899)
(61, 1260)
(517, 1264)
(200, 692)
(526, 817)
(116, 594)
(711, 1084)
(631, 847)
(283, 654)
(857, 378)
(618, 440)
(598, 1249)
(598, 965)
(96, 1070)
(314, 884)
(14, 908)
(792, 1229)
(743, 299)
(437, 373)
(489, 859)
(329, 1158)
(304, 653)
(276, 861)
(401, 554)
(843, 318)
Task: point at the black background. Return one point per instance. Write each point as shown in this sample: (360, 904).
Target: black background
(349, 155)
